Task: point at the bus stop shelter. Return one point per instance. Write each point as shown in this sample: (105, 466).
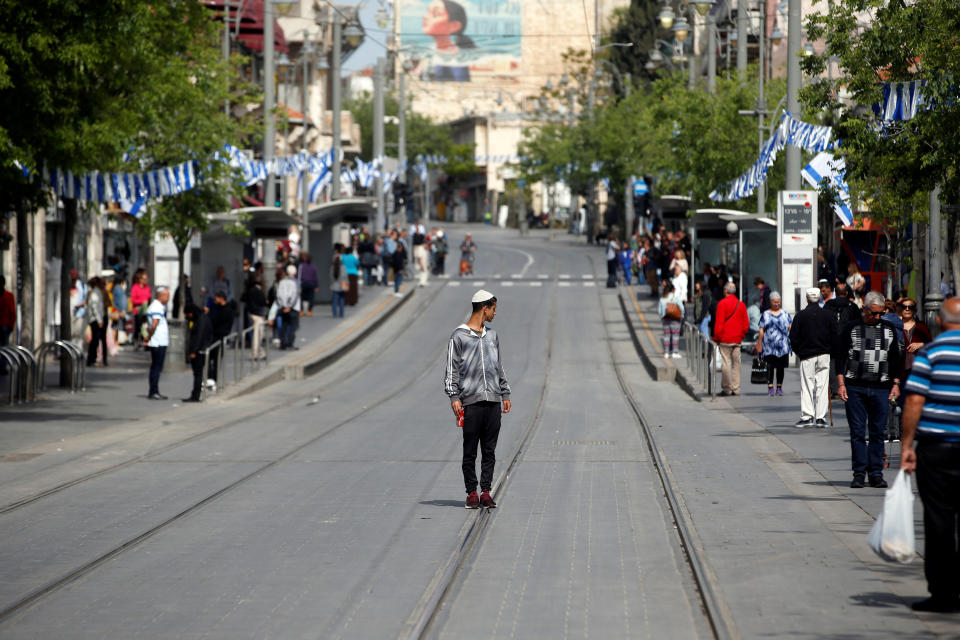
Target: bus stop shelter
(745, 242)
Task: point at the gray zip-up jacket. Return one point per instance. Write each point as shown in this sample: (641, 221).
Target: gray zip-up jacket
(473, 372)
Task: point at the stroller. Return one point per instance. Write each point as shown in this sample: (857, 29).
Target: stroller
(466, 268)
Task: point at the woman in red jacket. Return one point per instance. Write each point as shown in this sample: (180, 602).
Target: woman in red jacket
(731, 326)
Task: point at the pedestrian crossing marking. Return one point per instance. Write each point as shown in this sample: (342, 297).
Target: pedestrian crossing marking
(564, 276)
(543, 276)
(506, 283)
(516, 276)
(497, 275)
(589, 284)
(453, 283)
(535, 284)
(587, 276)
(565, 284)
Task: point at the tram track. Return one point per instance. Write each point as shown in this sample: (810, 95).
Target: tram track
(435, 603)
(52, 586)
(264, 410)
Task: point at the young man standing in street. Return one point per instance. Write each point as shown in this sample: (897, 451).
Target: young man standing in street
(932, 415)
(478, 391)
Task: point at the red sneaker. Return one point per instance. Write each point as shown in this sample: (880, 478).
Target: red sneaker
(473, 502)
(487, 501)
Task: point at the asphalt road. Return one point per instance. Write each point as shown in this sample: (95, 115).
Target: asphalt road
(329, 507)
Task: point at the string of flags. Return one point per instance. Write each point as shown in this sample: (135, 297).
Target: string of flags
(901, 101)
(811, 137)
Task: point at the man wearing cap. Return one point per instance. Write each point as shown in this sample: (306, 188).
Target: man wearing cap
(811, 338)
(478, 390)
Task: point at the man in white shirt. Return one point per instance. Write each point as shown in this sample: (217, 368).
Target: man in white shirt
(157, 339)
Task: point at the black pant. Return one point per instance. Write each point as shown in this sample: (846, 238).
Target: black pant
(938, 480)
(157, 356)
(197, 364)
(778, 364)
(611, 273)
(214, 361)
(98, 336)
(481, 424)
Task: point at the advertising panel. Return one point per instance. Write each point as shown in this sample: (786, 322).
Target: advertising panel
(462, 40)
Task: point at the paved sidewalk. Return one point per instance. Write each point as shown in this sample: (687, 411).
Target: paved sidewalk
(118, 393)
(813, 464)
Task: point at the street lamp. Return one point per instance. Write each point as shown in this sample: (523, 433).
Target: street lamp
(666, 16)
(353, 34)
(681, 29)
(702, 6)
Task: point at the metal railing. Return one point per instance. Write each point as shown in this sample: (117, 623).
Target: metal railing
(22, 367)
(78, 362)
(703, 358)
(235, 341)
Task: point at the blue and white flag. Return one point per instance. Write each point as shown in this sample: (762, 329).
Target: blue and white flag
(901, 100)
(814, 138)
(122, 187)
(826, 165)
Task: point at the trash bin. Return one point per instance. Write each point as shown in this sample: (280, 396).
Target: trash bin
(176, 359)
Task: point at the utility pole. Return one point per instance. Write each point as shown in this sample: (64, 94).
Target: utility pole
(793, 88)
(402, 134)
(934, 297)
(335, 184)
(269, 98)
(304, 183)
(743, 26)
(711, 53)
(593, 208)
(226, 46)
(378, 115)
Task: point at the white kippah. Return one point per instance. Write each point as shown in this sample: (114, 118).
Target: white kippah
(291, 270)
(481, 296)
(813, 293)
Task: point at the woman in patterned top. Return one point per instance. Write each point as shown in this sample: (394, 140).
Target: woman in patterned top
(773, 342)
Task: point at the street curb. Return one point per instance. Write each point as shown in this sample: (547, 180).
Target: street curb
(661, 373)
(298, 370)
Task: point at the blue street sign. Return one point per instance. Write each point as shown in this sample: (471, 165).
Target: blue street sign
(640, 187)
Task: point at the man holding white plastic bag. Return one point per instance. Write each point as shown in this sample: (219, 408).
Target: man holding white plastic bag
(932, 414)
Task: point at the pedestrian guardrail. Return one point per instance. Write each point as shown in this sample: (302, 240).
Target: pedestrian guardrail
(236, 342)
(703, 357)
(62, 348)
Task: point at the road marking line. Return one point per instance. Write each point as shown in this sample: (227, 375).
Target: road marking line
(516, 276)
(496, 275)
(543, 276)
(564, 284)
(564, 276)
(479, 283)
(587, 276)
(589, 284)
(643, 319)
(535, 284)
(506, 283)
(453, 283)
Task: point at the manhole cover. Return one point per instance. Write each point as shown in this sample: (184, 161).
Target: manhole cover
(586, 443)
(19, 457)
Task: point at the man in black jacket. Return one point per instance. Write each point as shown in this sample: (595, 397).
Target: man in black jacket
(201, 337)
(869, 361)
(811, 338)
(221, 319)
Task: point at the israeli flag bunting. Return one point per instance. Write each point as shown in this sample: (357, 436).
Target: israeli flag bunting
(901, 100)
(811, 137)
(122, 187)
(826, 165)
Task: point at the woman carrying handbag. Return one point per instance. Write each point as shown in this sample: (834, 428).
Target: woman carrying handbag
(773, 342)
(671, 313)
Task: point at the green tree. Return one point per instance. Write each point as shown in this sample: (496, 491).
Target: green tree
(638, 24)
(891, 168)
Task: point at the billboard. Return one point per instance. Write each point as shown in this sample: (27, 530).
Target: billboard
(462, 40)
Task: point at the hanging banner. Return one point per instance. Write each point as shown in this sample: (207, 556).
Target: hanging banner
(811, 137)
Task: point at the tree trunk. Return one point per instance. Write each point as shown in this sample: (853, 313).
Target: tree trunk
(24, 283)
(955, 254)
(66, 313)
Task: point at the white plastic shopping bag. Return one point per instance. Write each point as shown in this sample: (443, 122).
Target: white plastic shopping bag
(892, 534)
